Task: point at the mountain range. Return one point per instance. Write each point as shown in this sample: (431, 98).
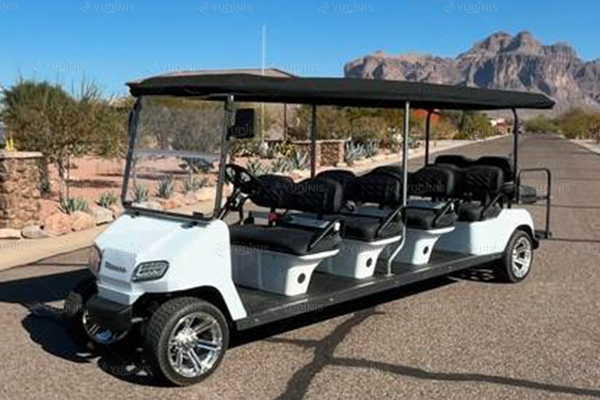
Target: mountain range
(501, 61)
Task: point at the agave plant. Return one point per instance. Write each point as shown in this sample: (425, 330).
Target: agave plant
(107, 199)
(256, 168)
(281, 165)
(193, 184)
(371, 148)
(299, 160)
(166, 187)
(71, 205)
(353, 152)
(140, 194)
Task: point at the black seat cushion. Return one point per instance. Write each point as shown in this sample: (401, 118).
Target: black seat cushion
(282, 239)
(473, 212)
(341, 176)
(417, 218)
(364, 228)
(528, 194)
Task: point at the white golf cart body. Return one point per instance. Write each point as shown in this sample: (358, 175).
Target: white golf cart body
(254, 285)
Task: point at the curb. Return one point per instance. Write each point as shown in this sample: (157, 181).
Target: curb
(588, 146)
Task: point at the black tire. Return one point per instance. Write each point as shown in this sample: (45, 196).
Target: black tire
(520, 241)
(162, 324)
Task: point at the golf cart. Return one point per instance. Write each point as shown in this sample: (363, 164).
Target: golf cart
(274, 248)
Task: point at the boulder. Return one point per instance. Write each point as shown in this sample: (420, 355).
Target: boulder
(101, 215)
(82, 221)
(58, 224)
(174, 202)
(117, 210)
(10, 234)
(34, 232)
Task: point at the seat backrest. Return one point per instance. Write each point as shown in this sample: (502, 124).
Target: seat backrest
(481, 182)
(504, 163)
(454, 159)
(393, 170)
(274, 190)
(314, 195)
(341, 176)
(436, 181)
(378, 188)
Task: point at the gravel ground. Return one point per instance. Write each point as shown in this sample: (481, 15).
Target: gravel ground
(466, 337)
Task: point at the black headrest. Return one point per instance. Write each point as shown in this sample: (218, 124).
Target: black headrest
(343, 177)
(314, 195)
(379, 188)
(393, 170)
(274, 190)
(481, 181)
(454, 159)
(504, 163)
(435, 181)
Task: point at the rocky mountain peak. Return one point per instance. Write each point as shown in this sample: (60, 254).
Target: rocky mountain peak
(500, 61)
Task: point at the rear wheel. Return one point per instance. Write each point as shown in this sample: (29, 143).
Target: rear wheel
(518, 257)
(186, 339)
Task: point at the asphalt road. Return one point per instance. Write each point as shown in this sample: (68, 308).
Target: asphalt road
(467, 337)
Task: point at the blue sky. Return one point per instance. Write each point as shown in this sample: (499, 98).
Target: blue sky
(113, 42)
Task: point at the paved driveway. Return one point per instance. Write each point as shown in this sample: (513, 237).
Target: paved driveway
(465, 338)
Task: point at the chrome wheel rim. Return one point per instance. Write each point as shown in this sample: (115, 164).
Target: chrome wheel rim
(195, 344)
(521, 257)
(100, 334)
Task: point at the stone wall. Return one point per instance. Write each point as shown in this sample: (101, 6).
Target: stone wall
(19, 189)
(328, 152)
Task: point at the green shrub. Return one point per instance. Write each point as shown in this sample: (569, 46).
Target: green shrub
(256, 168)
(107, 200)
(541, 124)
(353, 152)
(281, 165)
(71, 205)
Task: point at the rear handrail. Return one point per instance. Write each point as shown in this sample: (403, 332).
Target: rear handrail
(548, 197)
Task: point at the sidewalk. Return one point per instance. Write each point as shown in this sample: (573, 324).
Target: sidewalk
(22, 252)
(588, 144)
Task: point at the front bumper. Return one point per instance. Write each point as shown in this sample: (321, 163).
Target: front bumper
(109, 314)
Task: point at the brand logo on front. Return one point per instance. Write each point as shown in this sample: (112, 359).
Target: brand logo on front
(114, 267)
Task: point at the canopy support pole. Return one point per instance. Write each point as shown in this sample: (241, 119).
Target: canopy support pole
(516, 154)
(134, 120)
(427, 135)
(313, 143)
(392, 256)
(227, 120)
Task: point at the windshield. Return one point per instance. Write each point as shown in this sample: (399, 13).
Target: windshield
(174, 164)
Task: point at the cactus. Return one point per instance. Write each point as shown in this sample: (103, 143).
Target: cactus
(281, 165)
(354, 152)
(256, 168)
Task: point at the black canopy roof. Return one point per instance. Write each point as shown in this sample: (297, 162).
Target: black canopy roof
(351, 92)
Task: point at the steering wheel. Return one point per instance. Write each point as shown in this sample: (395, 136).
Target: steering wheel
(241, 178)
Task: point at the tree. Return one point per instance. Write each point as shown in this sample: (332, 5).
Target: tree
(542, 124)
(44, 117)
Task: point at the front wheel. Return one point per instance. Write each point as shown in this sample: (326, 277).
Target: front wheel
(186, 339)
(518, 257)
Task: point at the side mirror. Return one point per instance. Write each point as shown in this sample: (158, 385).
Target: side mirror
(244, 125)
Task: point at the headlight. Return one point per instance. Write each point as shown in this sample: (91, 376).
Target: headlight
(150, 271)
(95, 260)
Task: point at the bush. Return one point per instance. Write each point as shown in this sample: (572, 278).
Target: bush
(281, 165)
(541, 124)
(256, 168)
(299, 160)
(579, 124)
